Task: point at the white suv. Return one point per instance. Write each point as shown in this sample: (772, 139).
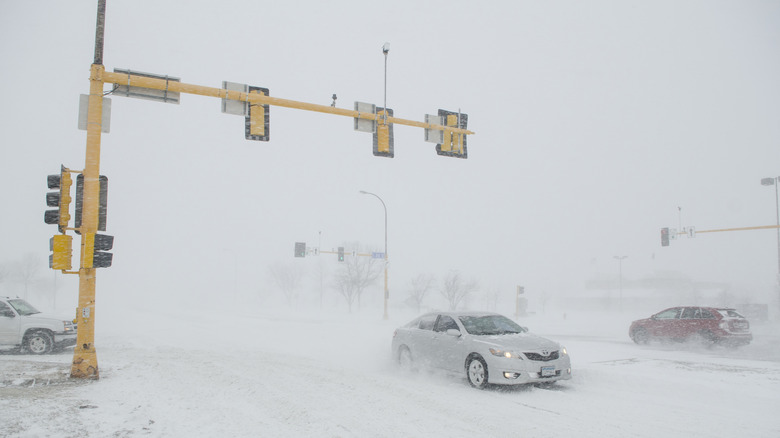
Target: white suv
(22, 326)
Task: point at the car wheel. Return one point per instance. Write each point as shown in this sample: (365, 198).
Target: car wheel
(641, 336)
(705, 338)
(405, 361)
(39, 342)
(477, 372)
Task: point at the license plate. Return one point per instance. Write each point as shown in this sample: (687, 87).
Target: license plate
(548, 371)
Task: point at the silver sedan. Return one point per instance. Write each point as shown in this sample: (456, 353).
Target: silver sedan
(489, 348)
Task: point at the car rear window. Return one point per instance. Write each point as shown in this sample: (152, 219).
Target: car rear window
(730, 313)
(426, 322)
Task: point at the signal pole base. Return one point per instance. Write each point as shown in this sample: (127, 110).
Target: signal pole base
(84, 365)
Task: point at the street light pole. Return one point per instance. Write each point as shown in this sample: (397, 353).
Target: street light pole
(386, 50)
(775, 182)
(620, 278)
(386, 262)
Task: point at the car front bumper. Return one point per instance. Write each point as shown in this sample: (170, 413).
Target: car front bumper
(513, 371)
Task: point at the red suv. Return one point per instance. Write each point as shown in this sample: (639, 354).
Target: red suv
(705, 324)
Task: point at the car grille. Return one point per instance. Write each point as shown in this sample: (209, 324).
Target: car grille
(541, 358)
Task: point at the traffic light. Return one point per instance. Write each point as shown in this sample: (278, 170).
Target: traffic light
(95, 249)
(257, 123)
(664, 236)
(453, 145)
(383, 136)
(61, 246)
(60, 199)
(102, 202)
(300, 249)
(341, 253)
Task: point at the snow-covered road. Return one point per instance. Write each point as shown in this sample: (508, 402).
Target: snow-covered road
(199, 373)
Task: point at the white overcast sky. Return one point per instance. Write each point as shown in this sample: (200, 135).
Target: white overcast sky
(595, 121)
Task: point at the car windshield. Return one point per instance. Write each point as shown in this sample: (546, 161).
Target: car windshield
(23, 307)
(490, 325)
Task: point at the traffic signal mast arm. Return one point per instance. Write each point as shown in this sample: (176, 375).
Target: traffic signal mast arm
(358, 254)
(670, 233)
(261, 99)
(760, 227)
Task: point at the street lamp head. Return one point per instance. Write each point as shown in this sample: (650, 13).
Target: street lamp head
(768, 181)
(386, 48)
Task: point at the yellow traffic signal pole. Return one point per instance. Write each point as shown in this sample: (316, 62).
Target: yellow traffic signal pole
(85, 363)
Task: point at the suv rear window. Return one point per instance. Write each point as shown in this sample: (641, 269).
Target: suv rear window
(730, 313)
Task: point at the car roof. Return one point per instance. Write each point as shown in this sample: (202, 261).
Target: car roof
(464, 313)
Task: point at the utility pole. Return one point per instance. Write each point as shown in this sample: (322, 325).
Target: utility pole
(620, 277)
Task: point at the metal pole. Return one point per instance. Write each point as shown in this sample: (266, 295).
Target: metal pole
(99, 30)
(319, 262)
(620, 274)
(385, 316)
(777, 210)
(620, 278)
(386, 50)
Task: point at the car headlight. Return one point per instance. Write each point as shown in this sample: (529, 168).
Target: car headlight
(563, 350)
(504, 353)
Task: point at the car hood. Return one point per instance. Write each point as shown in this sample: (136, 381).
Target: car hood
(46, 315)
(520, 341)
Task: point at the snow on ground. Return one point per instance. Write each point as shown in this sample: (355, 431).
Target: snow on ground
(217, 372)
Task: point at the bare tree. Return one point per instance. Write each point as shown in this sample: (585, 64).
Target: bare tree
(455, 290)
(27, 271)
(491, 297)
(419, 287)
(354, 275)
(288, 278)
(4, 270)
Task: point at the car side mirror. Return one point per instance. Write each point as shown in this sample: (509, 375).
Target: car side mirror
(453, 332)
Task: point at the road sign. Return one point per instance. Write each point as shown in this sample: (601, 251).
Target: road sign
(377, 255)
(365, 125)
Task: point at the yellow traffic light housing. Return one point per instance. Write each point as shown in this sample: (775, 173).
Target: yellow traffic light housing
(257, 122)
(95, 247)
(60, 199)
(453, 144)
(61, 246)
(383, 136)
